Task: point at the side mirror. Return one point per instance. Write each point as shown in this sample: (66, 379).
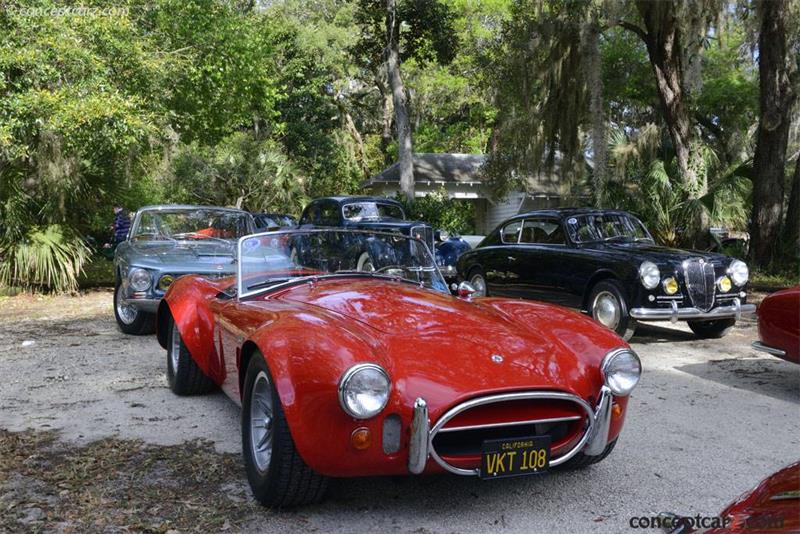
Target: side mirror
(465, 290)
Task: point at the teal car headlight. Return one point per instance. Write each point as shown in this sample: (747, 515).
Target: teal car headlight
(139, 279)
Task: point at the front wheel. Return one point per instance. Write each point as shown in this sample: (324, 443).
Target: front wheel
(712, 329)
(130, 319)
(277, 473)
(183, 374)
(580, 460)
(608, 306)
(365, 263)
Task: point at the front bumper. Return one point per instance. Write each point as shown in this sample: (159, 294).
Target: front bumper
(593, 442)
(148, 305)
(675, 313)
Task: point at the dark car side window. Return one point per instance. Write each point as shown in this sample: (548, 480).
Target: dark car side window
(542, 232)
(510, 232)
(310, 214)
(328, 214)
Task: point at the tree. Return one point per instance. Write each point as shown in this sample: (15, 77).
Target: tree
(404, 143)
(777, 82)
(792, 225)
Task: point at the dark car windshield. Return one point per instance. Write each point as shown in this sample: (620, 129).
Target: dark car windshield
(607, 227)
(190, 224)
(272, 258)
(274, 221)
(358, 211)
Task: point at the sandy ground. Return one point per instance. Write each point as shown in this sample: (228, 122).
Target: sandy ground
(709, 420)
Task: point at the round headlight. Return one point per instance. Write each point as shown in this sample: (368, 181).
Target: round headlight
(739, 272)
(649, 274)
(165, 281)
(621, 370)
(670, 285)
(724, 284)
(139, 279)
(364, 390)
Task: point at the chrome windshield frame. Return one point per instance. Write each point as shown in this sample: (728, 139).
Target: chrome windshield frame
(240, 293)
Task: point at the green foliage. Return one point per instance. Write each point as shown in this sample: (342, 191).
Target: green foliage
(242, 171)
(45, 258)
(441, 212)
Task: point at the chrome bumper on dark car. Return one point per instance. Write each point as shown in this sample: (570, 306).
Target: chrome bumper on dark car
(675, 313)
(593, 440)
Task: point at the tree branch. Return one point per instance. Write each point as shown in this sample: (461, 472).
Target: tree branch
(635, 29)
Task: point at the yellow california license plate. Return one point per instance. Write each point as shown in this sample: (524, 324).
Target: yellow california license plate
(515, 457)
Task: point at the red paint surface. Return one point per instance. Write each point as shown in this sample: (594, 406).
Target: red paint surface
(779, 322)
(432, 345)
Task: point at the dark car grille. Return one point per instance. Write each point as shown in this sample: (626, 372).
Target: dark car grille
(423, 232)
(699, 277)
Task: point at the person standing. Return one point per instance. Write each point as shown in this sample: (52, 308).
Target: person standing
(122, 223)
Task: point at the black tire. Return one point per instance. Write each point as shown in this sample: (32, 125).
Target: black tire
(711, 329)
(611, 292)
(476, 278)
(581, 461)
(183, 374)
(286, 481)
(364, 260)
(143, 323)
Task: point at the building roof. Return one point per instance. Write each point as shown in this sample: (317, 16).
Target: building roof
(440, 168)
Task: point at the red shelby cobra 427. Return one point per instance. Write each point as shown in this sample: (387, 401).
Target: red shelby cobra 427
(343, 373)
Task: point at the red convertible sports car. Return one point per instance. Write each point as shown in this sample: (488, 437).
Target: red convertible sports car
(343, 373)
(779, 325)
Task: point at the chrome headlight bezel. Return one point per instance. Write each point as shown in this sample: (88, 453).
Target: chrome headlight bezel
(613, 363)
(649, 274)
(346, 382)
(739, 272)
(139, 279)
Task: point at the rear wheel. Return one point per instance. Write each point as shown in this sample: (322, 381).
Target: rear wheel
(130, 319)
(711, 329)
(580, 460)
(277, 474)
(365, 263)
(183, 374)
(478, 281)
(608, 306)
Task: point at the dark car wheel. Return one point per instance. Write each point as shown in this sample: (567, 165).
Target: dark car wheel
(478, 281)
(608, 306)
(277, 474)
(580, 460)
(712, 329)
(365, 263)
(130, 319)
(183, 374)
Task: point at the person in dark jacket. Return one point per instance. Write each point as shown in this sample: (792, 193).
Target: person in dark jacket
(122, 223)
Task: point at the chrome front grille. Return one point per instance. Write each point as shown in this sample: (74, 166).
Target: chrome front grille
(698, 275)
(423, 232)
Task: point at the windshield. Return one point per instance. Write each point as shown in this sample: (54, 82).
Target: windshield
(275, 257)
(274, 221)
(190, 224)
(372, 210)
(607, 227)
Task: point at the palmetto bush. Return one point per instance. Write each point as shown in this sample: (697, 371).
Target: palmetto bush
(44, 258)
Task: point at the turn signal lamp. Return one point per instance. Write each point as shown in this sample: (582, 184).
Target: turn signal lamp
(724, 284)
(670, 286)
(361, 438)
(165, 282)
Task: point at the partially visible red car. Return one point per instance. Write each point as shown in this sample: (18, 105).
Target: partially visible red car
(772, 507)
(779, 325)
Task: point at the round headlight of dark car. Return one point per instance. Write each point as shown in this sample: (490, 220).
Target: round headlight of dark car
(621, 370)
(364, 390)
(649, 274)
(739, 272)
(139, 279)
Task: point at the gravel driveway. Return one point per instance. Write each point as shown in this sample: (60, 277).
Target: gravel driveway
(92, 439)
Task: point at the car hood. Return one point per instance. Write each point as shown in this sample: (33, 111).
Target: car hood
(656, 253)
(182, 251)
(495, 350)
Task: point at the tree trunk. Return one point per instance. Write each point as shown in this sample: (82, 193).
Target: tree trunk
(404, 144)
(662, 36)
(388, 117)
(791, 231)
(599, 137)
(775, 102)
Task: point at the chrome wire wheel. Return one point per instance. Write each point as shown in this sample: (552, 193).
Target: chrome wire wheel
(479, 283)
(126, 312)
(261, 422)
(175, 348)
(365, 263)
(606, 309)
